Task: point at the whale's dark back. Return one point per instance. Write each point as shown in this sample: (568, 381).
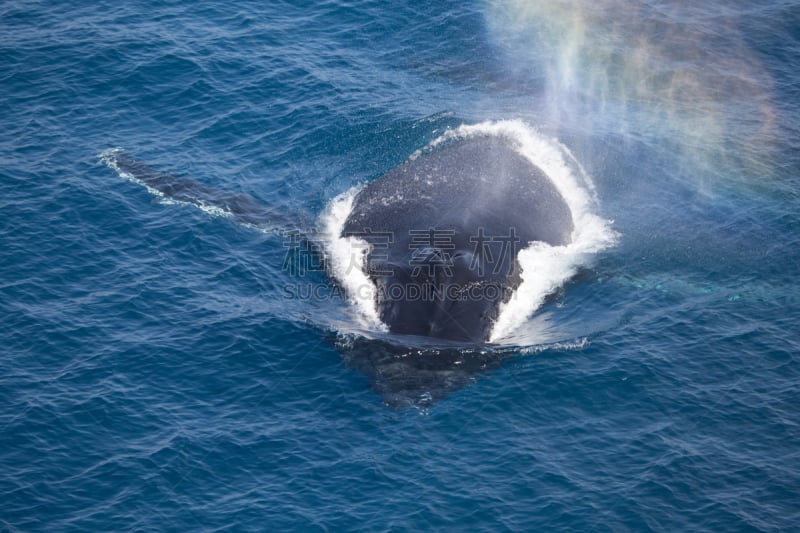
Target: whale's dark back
(442, 219)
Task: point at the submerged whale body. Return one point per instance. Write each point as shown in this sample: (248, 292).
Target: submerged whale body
(444, 229)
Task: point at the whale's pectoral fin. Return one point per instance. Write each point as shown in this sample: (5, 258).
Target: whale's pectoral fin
(243, 208)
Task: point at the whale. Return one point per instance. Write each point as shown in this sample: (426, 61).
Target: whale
(443, 231)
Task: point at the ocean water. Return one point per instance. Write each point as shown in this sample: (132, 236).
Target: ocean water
(163, 367)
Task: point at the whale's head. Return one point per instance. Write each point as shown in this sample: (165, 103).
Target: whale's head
(452, 290)
(444, 229)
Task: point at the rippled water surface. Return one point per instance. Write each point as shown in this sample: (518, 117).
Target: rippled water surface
(163, 369)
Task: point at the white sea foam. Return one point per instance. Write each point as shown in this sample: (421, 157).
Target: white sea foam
(347, 258)
(577, 344)
(544, 267)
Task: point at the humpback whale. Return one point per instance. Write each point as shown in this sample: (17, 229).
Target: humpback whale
(440, 243)
(443, 231)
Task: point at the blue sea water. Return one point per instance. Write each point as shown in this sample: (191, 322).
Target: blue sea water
(156, 374)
